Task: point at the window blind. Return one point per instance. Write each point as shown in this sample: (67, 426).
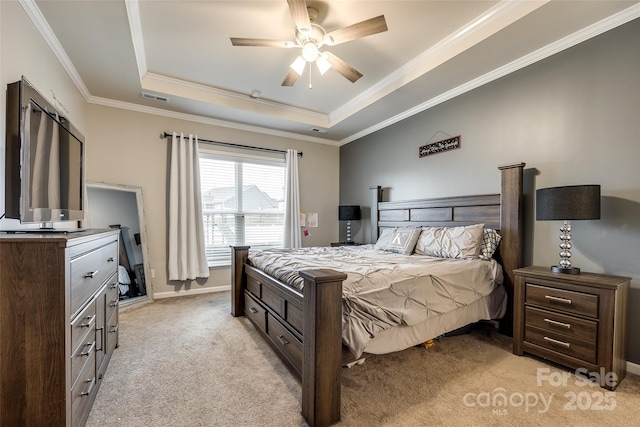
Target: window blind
(242, 203)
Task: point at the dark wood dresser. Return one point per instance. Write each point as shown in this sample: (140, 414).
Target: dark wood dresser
(579, 321)
(58, 324)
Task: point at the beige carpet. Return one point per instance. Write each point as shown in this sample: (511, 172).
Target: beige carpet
(188, 362)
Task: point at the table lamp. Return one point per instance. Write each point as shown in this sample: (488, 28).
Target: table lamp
(575, 202)
(349, 213)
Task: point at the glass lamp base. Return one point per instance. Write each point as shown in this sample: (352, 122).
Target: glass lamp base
(565, 270)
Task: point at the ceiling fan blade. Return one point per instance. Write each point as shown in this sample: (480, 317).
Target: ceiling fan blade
(343, 68)
(291, 78)
(300, 15)
(356, 31)
(238, 41)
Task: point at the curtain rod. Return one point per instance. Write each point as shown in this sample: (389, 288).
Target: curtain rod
(230, 144)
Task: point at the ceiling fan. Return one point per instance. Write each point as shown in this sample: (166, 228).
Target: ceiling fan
(311, 37)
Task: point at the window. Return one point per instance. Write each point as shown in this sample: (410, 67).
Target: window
(242, 203)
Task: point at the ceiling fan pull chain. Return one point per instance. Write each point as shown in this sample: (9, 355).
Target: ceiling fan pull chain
(310, 85)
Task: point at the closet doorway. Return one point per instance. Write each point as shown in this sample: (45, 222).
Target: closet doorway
(121, 206)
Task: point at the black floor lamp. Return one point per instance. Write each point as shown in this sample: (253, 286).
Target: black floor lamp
(349, 213)
(576, 202)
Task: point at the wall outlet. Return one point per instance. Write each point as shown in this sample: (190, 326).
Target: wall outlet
(153, 273)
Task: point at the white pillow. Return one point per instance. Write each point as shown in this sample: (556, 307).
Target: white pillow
(490, 241)
(385, 238)
(403, 240)
(462, 242)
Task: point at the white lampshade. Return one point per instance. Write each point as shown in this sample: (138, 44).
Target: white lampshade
(298, 65)
(323, 63)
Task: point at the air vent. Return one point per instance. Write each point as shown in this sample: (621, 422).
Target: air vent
(154, 97)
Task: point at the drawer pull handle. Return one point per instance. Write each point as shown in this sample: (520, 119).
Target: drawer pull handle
(558, 299)
(91, 274)
(111, 259)
(101, 338)
(283, 340)
(253, 310)
(88, 352)
(89, 389)
(89, 321)
(562, 343)
(114, 328)
(556, 323)
(113, 303)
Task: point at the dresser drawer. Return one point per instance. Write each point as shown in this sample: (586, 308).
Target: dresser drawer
(113, 296)
(567, 345)
(559, 299)
(83, 323)
(82, 393)
(569, 326)
(89, 271)
(255, 312)
(84, 352)
(286, 342)
(113, 327)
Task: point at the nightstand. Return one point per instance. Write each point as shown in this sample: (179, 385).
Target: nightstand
(334, 244)
(579, 321)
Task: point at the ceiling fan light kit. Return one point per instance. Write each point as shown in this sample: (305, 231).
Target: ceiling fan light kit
(310, 37)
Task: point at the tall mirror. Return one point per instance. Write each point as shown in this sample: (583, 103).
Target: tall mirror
(120, 207)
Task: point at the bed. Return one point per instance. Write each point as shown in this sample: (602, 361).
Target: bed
(301, 312)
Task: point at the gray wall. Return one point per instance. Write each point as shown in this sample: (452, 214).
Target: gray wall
(574, 118)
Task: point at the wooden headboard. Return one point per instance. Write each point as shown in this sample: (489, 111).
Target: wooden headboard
(502, 212)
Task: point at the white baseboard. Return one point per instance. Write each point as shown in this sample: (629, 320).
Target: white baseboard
(633, 368)
(197, 291)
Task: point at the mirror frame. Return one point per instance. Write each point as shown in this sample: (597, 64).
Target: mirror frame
(143, 232)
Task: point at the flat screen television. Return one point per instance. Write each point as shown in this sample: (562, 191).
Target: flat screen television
(44, 167)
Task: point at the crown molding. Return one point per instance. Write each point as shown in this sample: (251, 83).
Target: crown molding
(493, 20)
(135, 25)
(43, 27)
(600, 27)
(210, 94)
(399, 77)
(207, 120)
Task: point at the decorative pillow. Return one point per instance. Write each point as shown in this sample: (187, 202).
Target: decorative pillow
(403, 240)
(490, 241)
(385, 238)
(451, 242)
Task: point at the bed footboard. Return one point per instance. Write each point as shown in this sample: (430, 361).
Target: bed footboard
(311, 343)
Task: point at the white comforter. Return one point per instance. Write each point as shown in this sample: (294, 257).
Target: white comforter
(383, 289)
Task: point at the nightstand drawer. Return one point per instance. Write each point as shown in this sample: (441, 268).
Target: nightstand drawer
(560, 299)
(569, 326)
(570, 346)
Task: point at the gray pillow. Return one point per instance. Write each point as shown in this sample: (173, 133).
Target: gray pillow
(403, 240)
(451, 242)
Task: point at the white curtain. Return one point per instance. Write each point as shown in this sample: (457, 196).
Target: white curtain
(187, 259)
(292, 231)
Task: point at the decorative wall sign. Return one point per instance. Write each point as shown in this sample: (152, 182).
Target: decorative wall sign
(439, 146)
